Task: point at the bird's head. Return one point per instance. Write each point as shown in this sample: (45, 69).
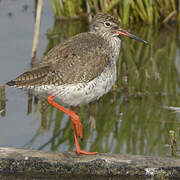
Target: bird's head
(107, 25)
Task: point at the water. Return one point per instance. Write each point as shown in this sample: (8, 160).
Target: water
(134, 118)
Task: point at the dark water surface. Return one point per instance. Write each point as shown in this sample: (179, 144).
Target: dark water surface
(134, 118)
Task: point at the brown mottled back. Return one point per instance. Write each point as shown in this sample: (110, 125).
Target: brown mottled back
(80, 59)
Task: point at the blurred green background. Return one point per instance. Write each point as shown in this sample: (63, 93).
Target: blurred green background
(128, 11)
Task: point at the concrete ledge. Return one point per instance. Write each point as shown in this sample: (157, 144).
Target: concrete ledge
(68, 164)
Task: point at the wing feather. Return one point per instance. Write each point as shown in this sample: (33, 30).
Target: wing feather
(80, 59)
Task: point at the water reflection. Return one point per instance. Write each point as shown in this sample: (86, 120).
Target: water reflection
(131, 118)
(2, 100)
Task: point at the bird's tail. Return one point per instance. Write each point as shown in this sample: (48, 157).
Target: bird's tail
(30, 78)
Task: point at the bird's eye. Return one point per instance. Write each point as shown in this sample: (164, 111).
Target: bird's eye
(107, 24)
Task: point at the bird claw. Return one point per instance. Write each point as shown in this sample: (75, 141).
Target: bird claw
(85, 152)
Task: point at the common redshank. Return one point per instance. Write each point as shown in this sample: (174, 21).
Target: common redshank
(80, 70)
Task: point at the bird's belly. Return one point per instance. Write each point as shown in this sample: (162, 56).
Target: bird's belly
(82, 93)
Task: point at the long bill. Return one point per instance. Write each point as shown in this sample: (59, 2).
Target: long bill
(125, 33)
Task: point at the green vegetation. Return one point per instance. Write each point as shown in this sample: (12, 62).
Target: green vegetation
(129, 11)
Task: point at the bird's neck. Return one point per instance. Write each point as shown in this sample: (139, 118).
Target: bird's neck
(114, 44)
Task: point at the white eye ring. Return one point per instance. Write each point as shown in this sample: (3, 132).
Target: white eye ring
(107, 24)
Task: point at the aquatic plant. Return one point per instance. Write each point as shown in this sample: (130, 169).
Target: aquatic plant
(129, 11)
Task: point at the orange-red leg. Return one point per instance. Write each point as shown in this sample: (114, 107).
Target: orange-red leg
(75, 118)
(76, 123)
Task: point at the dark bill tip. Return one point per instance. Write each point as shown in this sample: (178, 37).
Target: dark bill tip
(132, 36)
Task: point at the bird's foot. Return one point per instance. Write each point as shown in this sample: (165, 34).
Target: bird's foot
(85, 152)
